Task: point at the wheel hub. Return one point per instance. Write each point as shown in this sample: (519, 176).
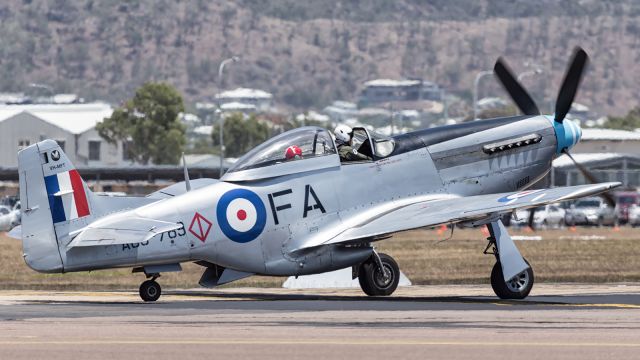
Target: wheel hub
(519, 282)
(384, 276)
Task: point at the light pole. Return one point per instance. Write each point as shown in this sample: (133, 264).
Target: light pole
(525, 74)
(480, 75)
(220, 116)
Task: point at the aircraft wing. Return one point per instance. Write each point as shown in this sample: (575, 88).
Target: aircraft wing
(120, 230)
(454, 210)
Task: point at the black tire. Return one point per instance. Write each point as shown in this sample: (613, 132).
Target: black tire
(364, 284)
(517, 288)
(150, 290)
(372, 280)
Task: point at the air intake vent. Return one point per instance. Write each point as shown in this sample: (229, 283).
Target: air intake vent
(511, 144)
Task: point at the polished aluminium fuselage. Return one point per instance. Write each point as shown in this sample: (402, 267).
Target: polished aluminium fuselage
(322, 199)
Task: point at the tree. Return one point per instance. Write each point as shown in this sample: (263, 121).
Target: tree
(149, 124)
(240, 135)
(631, 121)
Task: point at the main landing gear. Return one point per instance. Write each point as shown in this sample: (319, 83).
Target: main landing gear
(519, 285)
(150, 290)
(379, 275)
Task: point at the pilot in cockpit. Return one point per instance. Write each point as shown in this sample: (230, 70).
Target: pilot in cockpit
(344, 136)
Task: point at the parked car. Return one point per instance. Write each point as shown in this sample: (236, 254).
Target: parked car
(17, 217)
(591, 211)
(7, 218)
(551, 215)
(624, 201)
(634, 215)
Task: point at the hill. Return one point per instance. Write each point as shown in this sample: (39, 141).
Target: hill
(310, 53)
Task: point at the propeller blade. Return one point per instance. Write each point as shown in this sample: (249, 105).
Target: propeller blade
(510, 83)
(532, 213)
(570, 84)
(606, 196)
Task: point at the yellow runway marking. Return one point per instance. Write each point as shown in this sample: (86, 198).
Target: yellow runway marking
(353, 342)
(619, 306)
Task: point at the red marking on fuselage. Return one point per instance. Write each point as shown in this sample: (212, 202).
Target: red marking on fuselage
(200, 227)
(242, 214)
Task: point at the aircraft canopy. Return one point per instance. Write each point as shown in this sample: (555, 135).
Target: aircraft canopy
(313, 141)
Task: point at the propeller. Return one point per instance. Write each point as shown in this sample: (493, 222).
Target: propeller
(564, 100)
(510, 83)
(570, 84)
(567, 92)
(532, 213)
(606, 196)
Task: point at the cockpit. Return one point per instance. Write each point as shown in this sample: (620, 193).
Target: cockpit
(372, 144)
(314, 145)
(314, 142)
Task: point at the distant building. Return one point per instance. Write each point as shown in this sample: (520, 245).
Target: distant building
(603, 166)
(596, 140)
(387, 90)
(314, 118)
(258, 99)
(232, 107)
(23, 99)
(340, 111)
(14, 98)
(491, 103)
(71, 125)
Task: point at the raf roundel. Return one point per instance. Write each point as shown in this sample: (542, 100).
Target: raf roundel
(241, 215)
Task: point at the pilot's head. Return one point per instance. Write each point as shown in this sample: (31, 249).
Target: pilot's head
(293, 152)
(343, 133)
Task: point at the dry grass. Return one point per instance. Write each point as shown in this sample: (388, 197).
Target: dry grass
(422, 256)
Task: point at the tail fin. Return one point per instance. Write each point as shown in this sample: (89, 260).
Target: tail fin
(55, 201)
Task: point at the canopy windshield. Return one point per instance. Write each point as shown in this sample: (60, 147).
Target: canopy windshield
(313, 141)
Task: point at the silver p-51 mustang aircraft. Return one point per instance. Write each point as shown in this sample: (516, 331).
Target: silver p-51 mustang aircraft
(315, 213)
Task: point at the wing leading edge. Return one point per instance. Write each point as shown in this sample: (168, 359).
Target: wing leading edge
(461, 209)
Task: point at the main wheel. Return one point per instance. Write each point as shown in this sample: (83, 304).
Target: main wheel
(375, 281)
(518, 287)
(150, 290)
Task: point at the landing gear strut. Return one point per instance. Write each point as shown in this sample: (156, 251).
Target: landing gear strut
(517, 287)
(379, 275)
(150, 290)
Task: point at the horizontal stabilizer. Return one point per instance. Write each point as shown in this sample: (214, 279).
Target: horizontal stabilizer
(16, 233)
(121, 230)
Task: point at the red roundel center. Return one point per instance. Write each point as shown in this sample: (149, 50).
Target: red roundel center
(241, 214)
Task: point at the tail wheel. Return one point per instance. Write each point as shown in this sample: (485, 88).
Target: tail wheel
(518, 287)
(150, 290)
(376, 281)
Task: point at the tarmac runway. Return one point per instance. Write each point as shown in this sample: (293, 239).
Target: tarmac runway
(453, 322)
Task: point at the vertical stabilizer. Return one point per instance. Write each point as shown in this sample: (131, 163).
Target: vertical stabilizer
(56, 202)
(39, 240)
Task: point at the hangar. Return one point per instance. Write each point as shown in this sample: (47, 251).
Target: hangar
(71, 125)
